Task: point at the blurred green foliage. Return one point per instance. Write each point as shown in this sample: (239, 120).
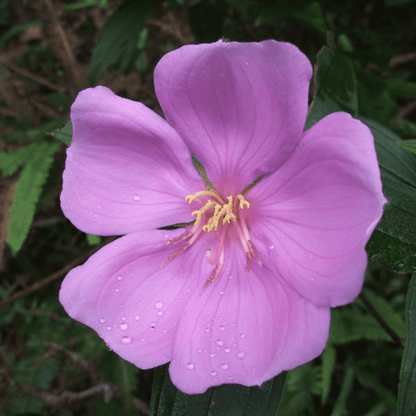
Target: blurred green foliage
(362, 52)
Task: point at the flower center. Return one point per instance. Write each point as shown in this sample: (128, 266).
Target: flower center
(220, 216)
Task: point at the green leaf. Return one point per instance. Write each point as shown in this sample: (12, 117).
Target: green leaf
(328, 366)
(386, 311)
(64, 134)
(336, 86)
(301, 384)
(409, 145)
(280, 10)
(404, 128)
(354, 323)
(121, 29)
(407, 384)
(374, 99)
(347, 385)
(399, 87)
(207, 20)
(311, 18)
(28, 191)
(18, 29)
(372, 382)
(225, 400)
(398, 173)
(93, 240)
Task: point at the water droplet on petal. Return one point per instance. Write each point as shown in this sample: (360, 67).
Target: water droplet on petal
(152, 326)
(213, 373)
(212, 355)
(199, 350)
(271, 246)
(143, 340)
(123, 327)
(102, 320)
(230, 277)
(126, 340)
(160, 313)
(95, 216)
(227, 349)
(220, 342)
(136, 198)
(242, 335)
(117, 290)
(123, 318)
(119, 278)
(137, 317)
(190, 366)
(224, 367)
(222, 328)
(159, 305)
(240, 355)
(109, 328)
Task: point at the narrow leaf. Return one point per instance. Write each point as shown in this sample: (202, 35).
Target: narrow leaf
(407, 384)
(231, 399)
(409, 145)
(120, 30)
(64, 134)
(28, 191)
(336, 85)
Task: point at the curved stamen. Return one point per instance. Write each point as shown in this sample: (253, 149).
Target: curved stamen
(215, 272)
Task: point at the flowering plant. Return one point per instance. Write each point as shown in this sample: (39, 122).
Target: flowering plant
(276, 227)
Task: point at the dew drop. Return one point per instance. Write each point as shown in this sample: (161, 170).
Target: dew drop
(242, 335)
(143, 340)
(220, 342)
(125, 340)
(123, 318)
(221, 293)
(136, 198)
(119, 278)
(95, 216)
(212, 355)
(227, 349)
(158, 305)
(213, 373)
(102, 320)
(271, 246)
(199, 350)
(121, 306)
(222, 328)
(190, 366)
(224, 367)
(109, 328)
(240, 355)
(160, 313)
(230, 277)
(123, 327)
(117, 290)
(152, 326)
(137, 317)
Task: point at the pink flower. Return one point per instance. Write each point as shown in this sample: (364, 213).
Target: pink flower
(245, 292)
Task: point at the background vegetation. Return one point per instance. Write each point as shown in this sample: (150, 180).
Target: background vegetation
(365, 63)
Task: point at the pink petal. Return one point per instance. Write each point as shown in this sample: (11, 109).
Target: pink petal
(126, 168)
(240, 107)
(245, 330)
(316, 214)
(135, 305)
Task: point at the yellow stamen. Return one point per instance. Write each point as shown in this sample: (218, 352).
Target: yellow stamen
(222, 210)
(243, 201)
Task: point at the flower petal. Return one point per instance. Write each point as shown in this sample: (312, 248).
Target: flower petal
(126, 168)
(135, 305)
(240, 107)
(316, 214)
(245, 330)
